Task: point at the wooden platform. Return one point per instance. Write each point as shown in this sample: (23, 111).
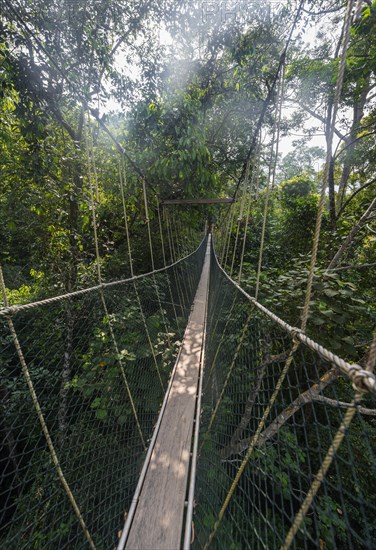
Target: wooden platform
(159, 508)
(182, 202)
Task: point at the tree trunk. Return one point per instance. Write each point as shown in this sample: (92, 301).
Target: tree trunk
(71, 282)
(351, 236)
(350, 142)
(66, 374)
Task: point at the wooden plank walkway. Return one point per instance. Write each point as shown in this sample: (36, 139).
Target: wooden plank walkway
(158, 518)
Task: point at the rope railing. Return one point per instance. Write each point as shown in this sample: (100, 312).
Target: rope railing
(362, 379)
(84, 487)
(284, 444)
(13, 310)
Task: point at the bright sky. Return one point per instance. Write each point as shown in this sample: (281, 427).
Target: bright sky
(214, 12)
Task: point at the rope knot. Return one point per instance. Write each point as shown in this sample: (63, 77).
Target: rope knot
(294, 334)
(363, 381)
(8, 311)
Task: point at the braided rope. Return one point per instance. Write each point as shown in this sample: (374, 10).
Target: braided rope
(329, 457)
(13, 310)
(37, 407)
(271, 170)
(173, 255)
(255, 175)
(281, 91)
(362, 380)
(106, 312)
(151, 347)
(228, 234)
(241, 214)
(165, 265)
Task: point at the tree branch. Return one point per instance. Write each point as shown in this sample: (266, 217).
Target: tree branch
(343, 405)
(352, 234)
(316, 115)
(352, 143)
(247, 416)
(273, 428)
(354, 195)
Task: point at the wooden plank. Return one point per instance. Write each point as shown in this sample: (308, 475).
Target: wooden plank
(158, 519)
(197, 201)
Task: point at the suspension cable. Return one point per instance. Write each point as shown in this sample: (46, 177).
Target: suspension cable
(101, 291)
(240, 216)
(40, 415)
(271, 171)
(130, 259)
(254, 178)
(296, 342)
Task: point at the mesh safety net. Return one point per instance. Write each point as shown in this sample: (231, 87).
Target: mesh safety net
(100, 378)
(246, 352)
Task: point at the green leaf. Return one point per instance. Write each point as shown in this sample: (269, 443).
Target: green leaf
(318, 321)
(101, 414)
(331, 292)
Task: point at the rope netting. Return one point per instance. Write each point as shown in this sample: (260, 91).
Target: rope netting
(83, 368)
(266, 431)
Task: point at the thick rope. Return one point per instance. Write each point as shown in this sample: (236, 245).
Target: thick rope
(92, 167)
(271, 170)
(255, 175)
(360, 378)
(182, 297)
(228, 236)
(240, 217)
(98, 262)
(161, 235)
(165, 265)
(37, 407)
(328, 460)
(281, 91)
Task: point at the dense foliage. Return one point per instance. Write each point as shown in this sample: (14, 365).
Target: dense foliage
(185, 91)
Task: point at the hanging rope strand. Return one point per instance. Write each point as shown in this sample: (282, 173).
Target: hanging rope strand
(338, 89)
(165, 265)
(280, 96)
(147, 220)
(230, 224)
(240, 217)
(108, 318)
(267, 195)
(255, 175)
(151, 347)
(38, 410)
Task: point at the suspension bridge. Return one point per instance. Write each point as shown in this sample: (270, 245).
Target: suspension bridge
(232, 440)
(173, 410)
